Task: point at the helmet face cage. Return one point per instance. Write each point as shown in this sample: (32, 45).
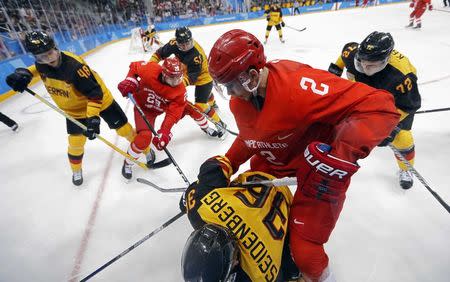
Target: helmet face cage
(210, 254)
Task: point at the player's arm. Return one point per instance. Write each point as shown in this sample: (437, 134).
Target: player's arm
(406, 93)
(194, 68)
(337, 68)
(238, 153)
(175, 110)
(214, 173)
(164, 51)
(84, 81)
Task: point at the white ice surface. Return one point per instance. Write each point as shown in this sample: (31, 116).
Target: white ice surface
(383, 234)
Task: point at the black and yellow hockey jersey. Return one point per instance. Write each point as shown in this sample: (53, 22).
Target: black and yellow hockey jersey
(257, 216)
(195, 60)
(399, 77)
(274, 14)
(74, 87)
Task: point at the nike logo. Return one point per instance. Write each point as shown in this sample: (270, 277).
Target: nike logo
(298, 222)
(284, 137)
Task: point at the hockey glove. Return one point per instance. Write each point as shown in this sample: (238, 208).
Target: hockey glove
(323, 176)
(162, 139)
(19, 79)
(411, 5)
(390, 138)
(93, 127)
(283, 24)
(335, 69)
(267, 18)
(430, 7)
(128, 85)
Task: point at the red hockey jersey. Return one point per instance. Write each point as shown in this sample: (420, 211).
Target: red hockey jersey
(155, 97)
(302, 105)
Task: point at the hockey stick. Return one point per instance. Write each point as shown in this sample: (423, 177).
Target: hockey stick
(159, 188)
(211, 120)
(417, 174)
(148, 236)
(82, 126)
(439, 10)
(296, 29)
(275, 183)
(130, 96)
(219, 90)
(433, 110)
(159, 164)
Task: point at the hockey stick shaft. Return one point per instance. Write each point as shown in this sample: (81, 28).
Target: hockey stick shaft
(422, 180)
(296, 29)
(159, 188)
(152, 129)
(82, 126)
(211, 120)
(439, 10)
(148, 236)
(433, 110)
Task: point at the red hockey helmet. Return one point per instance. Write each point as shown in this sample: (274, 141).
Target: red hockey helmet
(233, 53)
(172, 70)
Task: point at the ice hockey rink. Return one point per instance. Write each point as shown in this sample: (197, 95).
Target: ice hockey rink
(53, 231)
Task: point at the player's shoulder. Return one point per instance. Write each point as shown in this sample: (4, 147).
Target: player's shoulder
(401, 63)
(70, 60)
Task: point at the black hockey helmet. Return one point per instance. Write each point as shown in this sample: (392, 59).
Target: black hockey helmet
(210, 254)
(38, 42)
(375, 47)
(183, 34)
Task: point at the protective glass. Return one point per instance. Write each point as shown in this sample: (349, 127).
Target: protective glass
(186, 46)
(47, 57)
(370, 67)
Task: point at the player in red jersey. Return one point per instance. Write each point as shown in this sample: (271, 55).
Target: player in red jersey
(419, 7)
(295, 120)
(156, 89)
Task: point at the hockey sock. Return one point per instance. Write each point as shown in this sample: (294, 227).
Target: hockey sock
(75, 151)
(127, 132)
(404, 142)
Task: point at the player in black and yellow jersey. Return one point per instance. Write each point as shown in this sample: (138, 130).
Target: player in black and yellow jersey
(77, 90)
(274, 17)
(376, 63)
(191, 54)
(240, 232)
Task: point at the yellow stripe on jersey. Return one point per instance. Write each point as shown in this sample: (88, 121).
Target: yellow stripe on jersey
(258, 217)
(402, 63)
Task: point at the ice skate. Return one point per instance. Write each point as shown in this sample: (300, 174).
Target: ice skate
(150, 157)
(221, 129)
(210, 131)
(127, 171)
(77, 178)
(405, 179)
(418, 26)
(410, 25)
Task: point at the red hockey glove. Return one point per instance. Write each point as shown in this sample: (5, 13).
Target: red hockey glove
(411, 5)
(128, 85)
(430, 7)
(162, 139)
(323, 176)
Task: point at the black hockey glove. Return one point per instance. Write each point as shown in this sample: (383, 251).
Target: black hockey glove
(268, 18)
(283, 24)
(93, 127)
(390, 138)
(19, 79)
(334, 69)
